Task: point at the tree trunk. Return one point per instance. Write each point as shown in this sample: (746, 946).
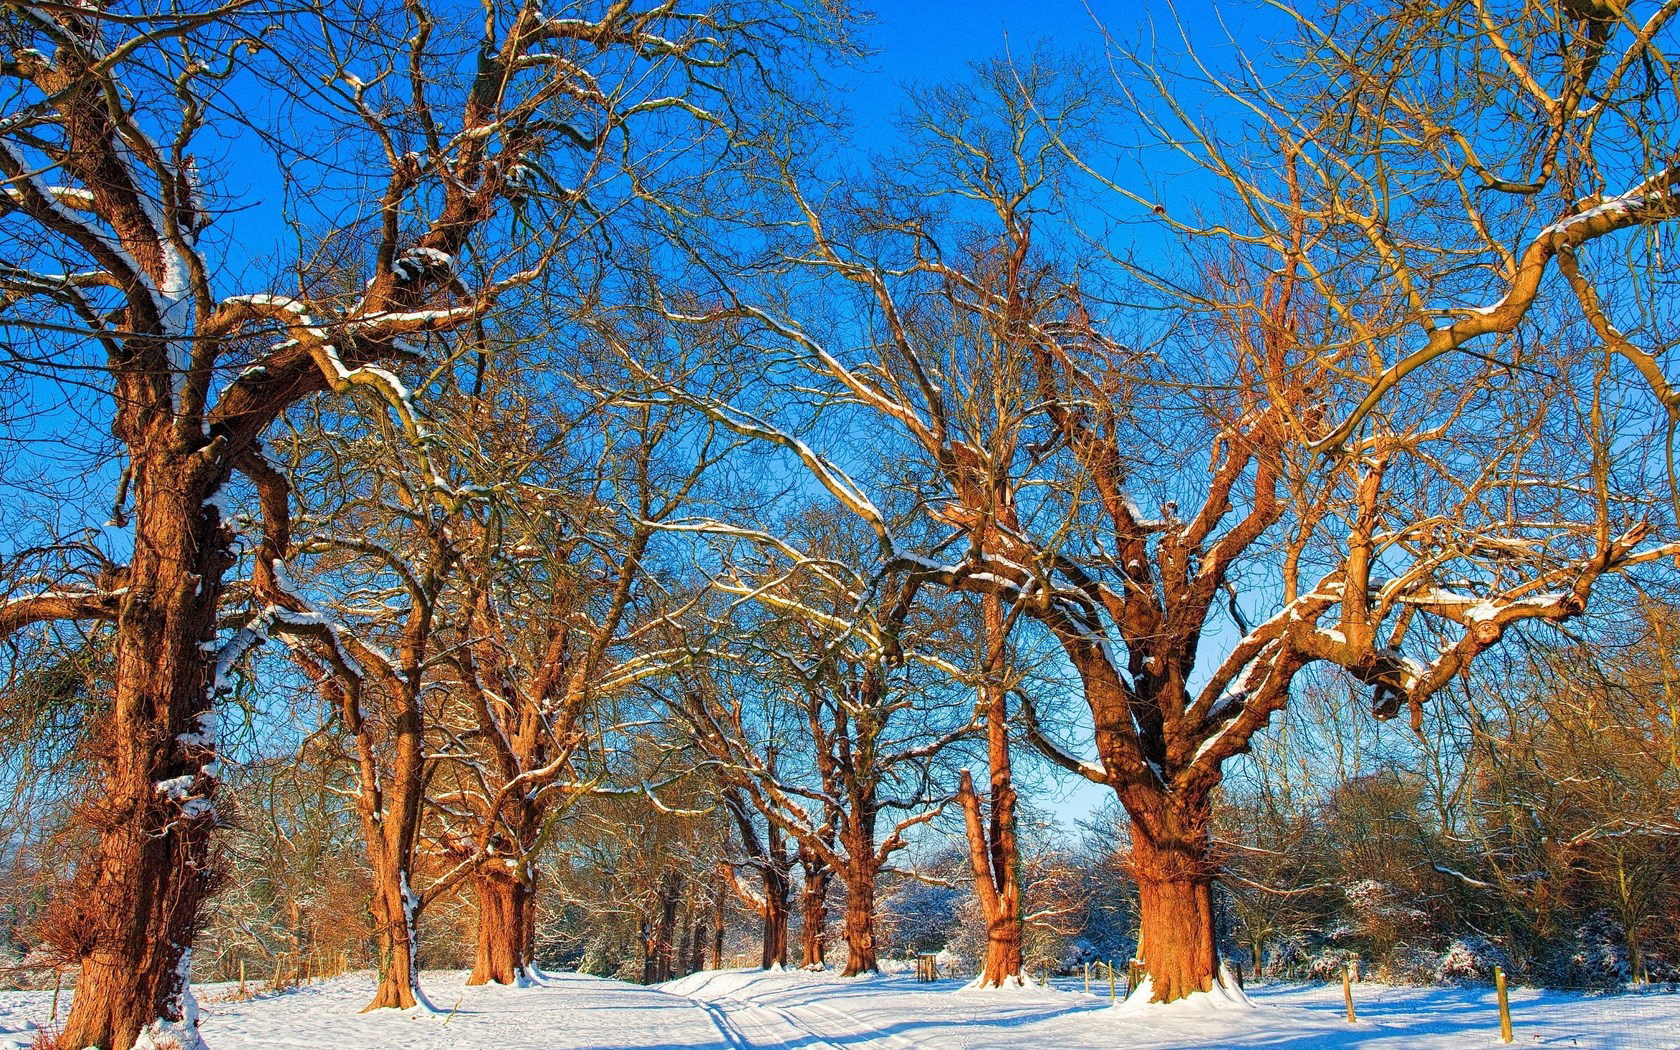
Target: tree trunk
(697, 948)
(774, 955)
(1174, 874)
(661, 931)
(131, 913)
(860, 920)
(993, 851)
(504, 901)
(813, 900)
(717, 924)
(392, 908)
(998, 890)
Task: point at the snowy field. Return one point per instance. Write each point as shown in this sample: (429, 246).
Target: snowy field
(742, 1009)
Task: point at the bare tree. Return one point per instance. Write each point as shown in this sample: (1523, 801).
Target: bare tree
(122, 286)
(1037, 435)
(554, 610)
(839, 655)
(994, 852)
(770, 855)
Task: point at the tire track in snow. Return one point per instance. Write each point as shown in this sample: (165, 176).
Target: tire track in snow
(881, 1040)
(744, 1023)
(721, 1022)
(754, 1026)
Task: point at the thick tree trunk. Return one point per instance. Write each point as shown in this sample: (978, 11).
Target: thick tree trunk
(860, 921)
(133, 909)
(1174, 873)
(504, 925)
(813, 901)
(392, 908)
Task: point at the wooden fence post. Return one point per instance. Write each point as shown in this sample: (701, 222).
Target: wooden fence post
(1347, 991)
(242, 978)
(1504, 1004)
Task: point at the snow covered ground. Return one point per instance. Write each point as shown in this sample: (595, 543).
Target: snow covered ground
(749, 1010)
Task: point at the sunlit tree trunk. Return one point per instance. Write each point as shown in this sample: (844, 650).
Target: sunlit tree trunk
(134, 905)
(993, 851)
(505, 923)
(813, 900)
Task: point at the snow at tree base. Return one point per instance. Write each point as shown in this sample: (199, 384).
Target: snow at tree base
(753, 1010)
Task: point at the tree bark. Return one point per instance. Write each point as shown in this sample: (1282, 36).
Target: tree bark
(392, 908)
(774, 953)
(1170, 862)
(813, 900)
(994, 853)
(998, 889)
(717, 923)
(132, 910)
(697, 947)
(860, 919)
(505, 904)
(662, 943)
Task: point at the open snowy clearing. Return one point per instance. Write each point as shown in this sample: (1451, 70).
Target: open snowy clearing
(751, 1010)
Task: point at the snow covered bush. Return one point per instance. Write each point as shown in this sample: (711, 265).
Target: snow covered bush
(1327, 963)
(1600, 959)
(1470, 959)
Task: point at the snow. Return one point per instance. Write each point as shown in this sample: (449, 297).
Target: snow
(753, 1010)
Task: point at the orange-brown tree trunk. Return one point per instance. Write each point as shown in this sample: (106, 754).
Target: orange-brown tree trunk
(993, 849)
(997, 883)
(392, 908)
(132, 909)
(813, 901)
(860, 920)
(1171, 864)
(505, 902)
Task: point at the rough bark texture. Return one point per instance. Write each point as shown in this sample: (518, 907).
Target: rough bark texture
(393, 922)
(860, 919)
(1175, 905)
(133, 909)
(504, 925)
(997, 886)
(774, 951)
(813, 902)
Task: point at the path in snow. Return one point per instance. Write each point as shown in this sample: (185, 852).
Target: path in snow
(750, 1010)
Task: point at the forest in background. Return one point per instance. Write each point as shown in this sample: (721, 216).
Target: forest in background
(498, 488)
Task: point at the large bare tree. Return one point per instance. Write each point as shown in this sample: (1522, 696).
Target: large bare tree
(462, 180)
(1040, 436)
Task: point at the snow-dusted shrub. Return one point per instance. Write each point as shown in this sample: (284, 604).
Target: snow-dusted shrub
(1326, 964)
(1470, 959)
(1600, 959)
